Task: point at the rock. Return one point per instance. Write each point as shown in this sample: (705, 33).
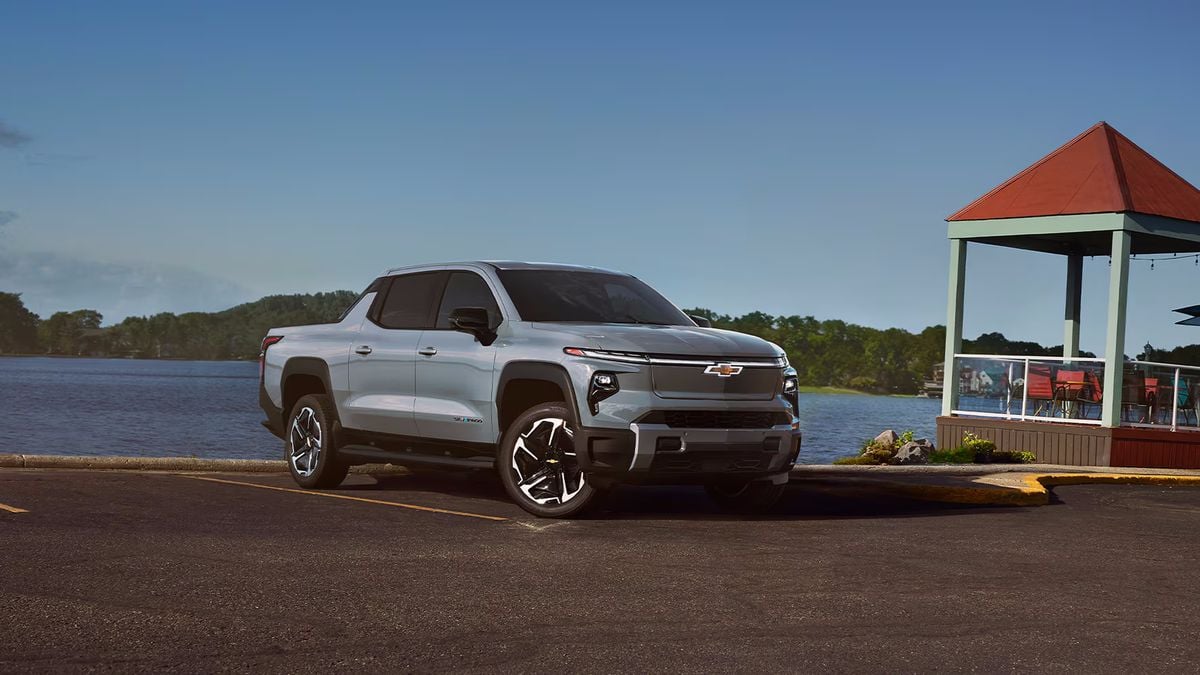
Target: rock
(887, 438)
(914, 452)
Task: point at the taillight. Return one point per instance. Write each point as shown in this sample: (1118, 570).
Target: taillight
(262, 355)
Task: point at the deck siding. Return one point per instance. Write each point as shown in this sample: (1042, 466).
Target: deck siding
(1152, 447)
(1051, 443)
(1079, 445)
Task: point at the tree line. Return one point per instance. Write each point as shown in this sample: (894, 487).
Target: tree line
(235, 333)
(824, 352)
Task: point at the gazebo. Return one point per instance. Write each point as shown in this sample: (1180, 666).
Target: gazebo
(1097, 195)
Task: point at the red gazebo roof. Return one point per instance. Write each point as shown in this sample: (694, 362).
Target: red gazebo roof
(1098, 171)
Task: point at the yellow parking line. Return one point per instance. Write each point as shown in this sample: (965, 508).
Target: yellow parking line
(12, 509)
(414, 507)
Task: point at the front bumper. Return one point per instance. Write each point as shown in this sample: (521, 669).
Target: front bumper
(657, 453)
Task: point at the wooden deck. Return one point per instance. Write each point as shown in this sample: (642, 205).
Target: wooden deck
(1079, 445)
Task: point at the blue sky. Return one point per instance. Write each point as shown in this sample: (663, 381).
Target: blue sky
(791, 157)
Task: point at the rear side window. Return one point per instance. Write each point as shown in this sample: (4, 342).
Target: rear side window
(409, 301)
(467, 289)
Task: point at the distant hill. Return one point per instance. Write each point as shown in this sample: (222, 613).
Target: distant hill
(234, 333)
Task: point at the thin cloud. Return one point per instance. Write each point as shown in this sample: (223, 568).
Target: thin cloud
(11, 138)
(7, 217)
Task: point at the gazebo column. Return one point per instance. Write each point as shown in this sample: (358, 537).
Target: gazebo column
(954, 323)
(1114, 343)
(1073, 305)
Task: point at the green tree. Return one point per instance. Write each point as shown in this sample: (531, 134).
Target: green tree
(18, 325)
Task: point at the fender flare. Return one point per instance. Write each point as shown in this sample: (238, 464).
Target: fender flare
(304, 365)
(545, 371)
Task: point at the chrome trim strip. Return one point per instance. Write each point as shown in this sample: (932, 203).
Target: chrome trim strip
(654, 361)
(641, 458)
(627, 357)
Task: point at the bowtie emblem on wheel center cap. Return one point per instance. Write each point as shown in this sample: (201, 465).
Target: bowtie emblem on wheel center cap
(723, 370)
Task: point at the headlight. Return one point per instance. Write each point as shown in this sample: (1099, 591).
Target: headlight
(791, 385)
(791, 392)
(602, 386)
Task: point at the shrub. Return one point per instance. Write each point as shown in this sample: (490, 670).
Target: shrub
(858, 459)
(959, 455)
(863, 383)
(982, 447)
(882, 454)
(1014, 457)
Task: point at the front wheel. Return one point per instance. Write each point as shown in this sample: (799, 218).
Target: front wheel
(539, 466)
(746, 497)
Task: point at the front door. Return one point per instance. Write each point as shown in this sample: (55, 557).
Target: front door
(383, 357)
(455, 371)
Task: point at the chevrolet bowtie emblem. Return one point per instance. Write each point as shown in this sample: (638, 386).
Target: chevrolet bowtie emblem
(723, 370)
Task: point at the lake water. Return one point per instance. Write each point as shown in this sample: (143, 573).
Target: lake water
(55, 406)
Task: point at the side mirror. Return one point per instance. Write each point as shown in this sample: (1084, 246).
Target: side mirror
(700, 321)
(473, 320)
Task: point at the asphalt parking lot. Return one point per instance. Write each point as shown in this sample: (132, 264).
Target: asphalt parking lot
(140, 571)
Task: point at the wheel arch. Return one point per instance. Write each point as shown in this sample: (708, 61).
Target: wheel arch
(524, 384)
(303, 375)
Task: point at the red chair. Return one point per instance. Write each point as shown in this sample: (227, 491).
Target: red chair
(1093, 391)
(1039, 388)
(1068, 386)
(1137, 399)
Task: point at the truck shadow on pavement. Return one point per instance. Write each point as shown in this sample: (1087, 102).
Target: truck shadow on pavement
(803, 500)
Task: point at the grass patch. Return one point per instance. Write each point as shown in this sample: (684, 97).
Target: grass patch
(832, 390)
(858, 459)
(959, 455)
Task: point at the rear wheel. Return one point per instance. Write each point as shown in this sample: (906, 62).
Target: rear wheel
(746, 497)
(539, 466)
(309, 446)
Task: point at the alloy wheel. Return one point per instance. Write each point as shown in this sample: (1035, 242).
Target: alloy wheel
(305, 439)
(544, 462)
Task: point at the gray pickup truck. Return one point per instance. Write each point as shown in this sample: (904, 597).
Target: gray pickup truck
(566, 380)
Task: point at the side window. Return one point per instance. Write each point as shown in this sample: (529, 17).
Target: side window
(409, 300)
(467, 289)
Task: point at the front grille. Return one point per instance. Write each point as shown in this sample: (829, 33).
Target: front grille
(716, 419)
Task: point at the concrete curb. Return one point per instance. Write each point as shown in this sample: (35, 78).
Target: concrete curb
(168, 464)
(1030, 489)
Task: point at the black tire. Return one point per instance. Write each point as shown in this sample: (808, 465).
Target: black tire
(310, 426)
(539, 472)
(748, 498)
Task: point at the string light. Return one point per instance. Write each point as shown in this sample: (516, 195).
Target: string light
(1194, 257)
(1173, 256)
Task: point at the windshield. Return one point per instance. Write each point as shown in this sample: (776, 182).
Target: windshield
(588, 297)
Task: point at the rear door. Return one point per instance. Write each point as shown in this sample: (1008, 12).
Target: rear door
(383, 356)
(454, 371)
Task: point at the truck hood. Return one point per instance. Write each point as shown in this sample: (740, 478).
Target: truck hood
(678, 340)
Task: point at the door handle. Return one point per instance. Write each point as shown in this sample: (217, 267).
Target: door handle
(364, 350)
(427, 351)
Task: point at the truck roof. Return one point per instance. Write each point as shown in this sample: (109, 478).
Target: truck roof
(508, 265)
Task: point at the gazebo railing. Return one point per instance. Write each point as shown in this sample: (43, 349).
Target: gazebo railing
(1030, 388)
(1160, 395)
(1071, 390)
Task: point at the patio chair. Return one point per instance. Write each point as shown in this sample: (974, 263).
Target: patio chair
(1185, 401)
(1137, 399)
(1188, 400)
(1091, 395)
(1039, 389)
(1068, 386)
